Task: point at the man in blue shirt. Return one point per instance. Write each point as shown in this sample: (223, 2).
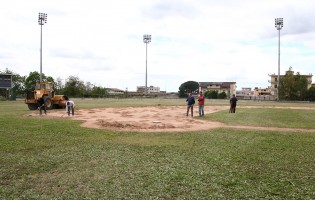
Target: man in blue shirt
(190, 104)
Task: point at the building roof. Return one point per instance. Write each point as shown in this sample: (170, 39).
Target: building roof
(223, 84)
(282, 75)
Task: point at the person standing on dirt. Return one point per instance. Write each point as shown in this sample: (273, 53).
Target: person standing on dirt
(41, 106)
(201, 104)
(190, 104)
(233, 101)
(70, 105)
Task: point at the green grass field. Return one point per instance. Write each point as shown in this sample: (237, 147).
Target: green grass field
(44, 158)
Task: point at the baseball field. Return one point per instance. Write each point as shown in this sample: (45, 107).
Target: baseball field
(150, 149)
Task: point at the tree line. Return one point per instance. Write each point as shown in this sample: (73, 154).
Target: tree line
(73, 86)
(293, 87)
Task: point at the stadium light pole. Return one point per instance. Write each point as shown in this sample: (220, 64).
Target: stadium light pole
(278, 25)
(146, 40)
(42, 19)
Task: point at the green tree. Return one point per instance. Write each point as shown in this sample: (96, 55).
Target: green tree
(211, 94)
(301, 85)
(188, 87)
(293, 87)
(98, 92)
(88, 89)
(222, 95)
(311, 94)
(31, 80)
(74, 87)
(50, 79)
(58, 86)
(18, 89)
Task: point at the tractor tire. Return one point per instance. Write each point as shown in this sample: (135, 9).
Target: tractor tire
(48, 103)
(32, 106)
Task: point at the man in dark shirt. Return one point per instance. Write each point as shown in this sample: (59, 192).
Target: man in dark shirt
(190, 104)
(41, 105)
(233, 101)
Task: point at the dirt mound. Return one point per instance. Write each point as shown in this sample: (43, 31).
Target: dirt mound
(152, 119)
(133, 126)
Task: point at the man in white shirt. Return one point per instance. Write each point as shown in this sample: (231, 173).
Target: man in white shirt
(70, 105)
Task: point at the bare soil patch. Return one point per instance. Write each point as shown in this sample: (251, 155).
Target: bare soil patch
(154, 119)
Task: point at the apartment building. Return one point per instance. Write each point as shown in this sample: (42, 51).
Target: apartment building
(274, 81)
(228, 87)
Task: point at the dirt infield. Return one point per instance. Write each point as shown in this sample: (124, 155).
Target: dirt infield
(153, 119)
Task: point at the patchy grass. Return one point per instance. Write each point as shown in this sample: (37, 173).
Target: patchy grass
(43, 158)
(267, 117)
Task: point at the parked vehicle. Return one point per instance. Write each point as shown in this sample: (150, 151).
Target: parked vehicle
(46, 91)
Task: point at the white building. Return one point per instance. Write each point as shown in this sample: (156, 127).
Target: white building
(150, 89)
(113, 91)
(228, 87)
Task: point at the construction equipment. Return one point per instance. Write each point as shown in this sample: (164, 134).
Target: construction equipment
(46, 91)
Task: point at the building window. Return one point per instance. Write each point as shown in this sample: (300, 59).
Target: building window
(276, 86)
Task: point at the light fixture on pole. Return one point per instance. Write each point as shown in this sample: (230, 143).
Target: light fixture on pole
(278, 25)
(146, 40)
(42, 19)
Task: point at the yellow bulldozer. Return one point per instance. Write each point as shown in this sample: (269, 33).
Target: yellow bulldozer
(46, 91)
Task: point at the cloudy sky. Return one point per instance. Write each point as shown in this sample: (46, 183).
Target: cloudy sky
(101, 41)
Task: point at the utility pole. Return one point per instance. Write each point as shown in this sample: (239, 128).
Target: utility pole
(42, 19)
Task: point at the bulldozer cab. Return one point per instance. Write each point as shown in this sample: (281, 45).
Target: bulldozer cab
(44, 89)
(43, 85)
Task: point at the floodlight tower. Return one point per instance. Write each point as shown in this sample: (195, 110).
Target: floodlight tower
(42, 19)
(278, 25)
(146, 40)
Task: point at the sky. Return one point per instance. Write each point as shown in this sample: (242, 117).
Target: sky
(101, 41)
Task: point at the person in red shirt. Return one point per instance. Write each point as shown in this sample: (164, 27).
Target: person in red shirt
(201, 104)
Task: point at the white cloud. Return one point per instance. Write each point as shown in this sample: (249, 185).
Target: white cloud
(201, 40)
